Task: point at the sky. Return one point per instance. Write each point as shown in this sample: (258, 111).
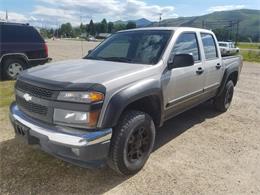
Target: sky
(52, 13)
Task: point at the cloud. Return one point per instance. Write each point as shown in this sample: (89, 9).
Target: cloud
(110, 9)
(53, 13)
(225, 8)
(135, 9)
(12, 16)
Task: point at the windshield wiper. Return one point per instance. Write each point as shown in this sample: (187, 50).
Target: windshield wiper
(118, 59)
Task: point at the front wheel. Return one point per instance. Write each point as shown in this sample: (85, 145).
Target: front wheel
(132, 142)
(223, 102)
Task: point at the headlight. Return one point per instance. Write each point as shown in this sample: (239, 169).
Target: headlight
(81, 97)
(76, 118)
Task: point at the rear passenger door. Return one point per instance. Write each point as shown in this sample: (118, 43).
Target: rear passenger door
(213, 63)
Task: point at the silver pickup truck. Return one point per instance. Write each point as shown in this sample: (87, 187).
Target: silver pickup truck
(106, 107)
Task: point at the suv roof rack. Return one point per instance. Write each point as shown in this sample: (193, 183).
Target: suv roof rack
(14, 23)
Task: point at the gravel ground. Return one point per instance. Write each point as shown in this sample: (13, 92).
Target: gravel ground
(198, 152)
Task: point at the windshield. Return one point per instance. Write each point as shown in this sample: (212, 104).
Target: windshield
(141, 47)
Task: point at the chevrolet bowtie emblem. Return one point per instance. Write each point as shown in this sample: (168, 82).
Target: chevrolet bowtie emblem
(27, 97)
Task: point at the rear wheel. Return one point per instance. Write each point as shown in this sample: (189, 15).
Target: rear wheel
(223, 102)
(132, 142)
(12, 68)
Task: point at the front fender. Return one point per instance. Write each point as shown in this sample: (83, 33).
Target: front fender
(125, 97)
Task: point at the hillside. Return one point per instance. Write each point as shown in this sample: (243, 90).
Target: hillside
(249, 26)
(139, 23)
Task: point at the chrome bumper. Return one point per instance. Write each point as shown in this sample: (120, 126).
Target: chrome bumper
(61, 135)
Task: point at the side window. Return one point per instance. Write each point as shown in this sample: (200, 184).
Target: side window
(209, 46)
(187, 43)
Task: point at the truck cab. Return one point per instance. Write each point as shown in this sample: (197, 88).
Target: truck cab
(106, 107)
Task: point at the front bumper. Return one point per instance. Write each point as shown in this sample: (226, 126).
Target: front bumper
(81, 147)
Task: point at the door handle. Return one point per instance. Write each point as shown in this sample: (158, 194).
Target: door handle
(199, 71)
(218, 66)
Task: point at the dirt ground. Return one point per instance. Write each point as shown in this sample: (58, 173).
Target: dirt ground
(199, 152)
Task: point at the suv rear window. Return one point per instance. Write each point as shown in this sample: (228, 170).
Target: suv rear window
(13, 33)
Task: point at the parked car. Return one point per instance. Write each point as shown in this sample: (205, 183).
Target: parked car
(21, 47)
(106, 107)
(228, 48)
(91, 38)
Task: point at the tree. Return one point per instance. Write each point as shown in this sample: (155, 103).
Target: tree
(103, 26)
(91, 28)
(110, 27)
(131, 25)
(118, 27)
(66, 30)
(224, 34)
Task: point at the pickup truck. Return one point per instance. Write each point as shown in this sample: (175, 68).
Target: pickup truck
(105, 108)
(228, 48)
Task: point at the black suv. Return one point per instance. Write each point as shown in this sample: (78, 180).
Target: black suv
(21, 47)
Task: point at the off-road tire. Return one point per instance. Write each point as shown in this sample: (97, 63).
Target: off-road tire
(128, 124)
(223, 101)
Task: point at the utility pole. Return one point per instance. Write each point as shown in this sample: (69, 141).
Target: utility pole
(160, 18)
(6, 15)
(237, 33)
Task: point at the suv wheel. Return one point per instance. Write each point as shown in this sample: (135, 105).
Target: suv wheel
(132, 142)
(223, 102)
(12, 68)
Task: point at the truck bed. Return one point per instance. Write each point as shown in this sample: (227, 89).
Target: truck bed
(233, 61)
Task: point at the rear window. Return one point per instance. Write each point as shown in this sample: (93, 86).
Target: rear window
(12, 33)
(222, 44)
(209, 45)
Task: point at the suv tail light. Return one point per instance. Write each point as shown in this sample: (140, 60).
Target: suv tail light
(46, 49)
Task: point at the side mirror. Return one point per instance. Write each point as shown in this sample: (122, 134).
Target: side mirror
(180, 60)
(89, 51)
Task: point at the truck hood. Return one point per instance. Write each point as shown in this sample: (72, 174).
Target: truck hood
(84, 71)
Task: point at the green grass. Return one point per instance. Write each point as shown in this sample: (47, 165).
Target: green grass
(245, 45)
(6, 93)
(251, 56)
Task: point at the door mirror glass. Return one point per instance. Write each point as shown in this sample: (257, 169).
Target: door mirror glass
(180, 60)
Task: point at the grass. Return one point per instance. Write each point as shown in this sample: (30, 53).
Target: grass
(6, 93)
(251, 56)
(245, 45)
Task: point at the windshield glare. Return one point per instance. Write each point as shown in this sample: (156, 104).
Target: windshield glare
(141, 47)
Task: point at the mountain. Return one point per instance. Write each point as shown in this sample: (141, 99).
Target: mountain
(143, 22)
(249, 22)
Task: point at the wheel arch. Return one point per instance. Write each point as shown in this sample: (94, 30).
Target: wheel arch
(229, 74)
(20, 56)
(144, 96)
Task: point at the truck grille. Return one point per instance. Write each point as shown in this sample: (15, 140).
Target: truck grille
(34, 90)
(39, 107)
(31, 107)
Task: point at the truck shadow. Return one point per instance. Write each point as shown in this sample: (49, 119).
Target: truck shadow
(26, 170)
(183, 122)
